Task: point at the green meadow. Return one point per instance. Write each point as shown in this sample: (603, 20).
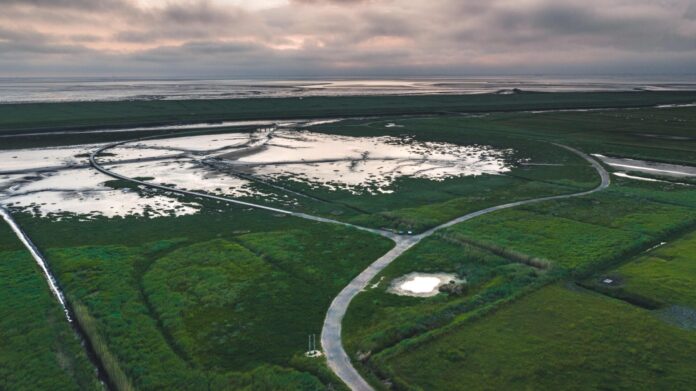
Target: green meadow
(410, 343)
(661, 277)
(554, 338)
(379, 319)
(223, 299)
(84, 115)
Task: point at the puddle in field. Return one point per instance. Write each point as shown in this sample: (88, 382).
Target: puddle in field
(82, 191)
(649, 167)
(363, 164)
(421, 284)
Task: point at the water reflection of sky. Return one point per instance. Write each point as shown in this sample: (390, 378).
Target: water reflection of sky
(55, 90)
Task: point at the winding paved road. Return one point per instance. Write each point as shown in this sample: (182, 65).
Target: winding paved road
(336, 356)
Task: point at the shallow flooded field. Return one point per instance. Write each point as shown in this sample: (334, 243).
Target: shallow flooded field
(83, 192)
(58, 181)
(649, 167)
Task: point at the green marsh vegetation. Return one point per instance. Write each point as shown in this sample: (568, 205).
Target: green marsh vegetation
(39, 349)
(76, 115)
(582, 239)
(554, 338)
(664, 276)
(580, 234)
(225, 298)
(379, 319)
(222, 299)
(519, 250)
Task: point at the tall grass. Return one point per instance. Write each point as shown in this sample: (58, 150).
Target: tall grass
(110, 363)
(506, 253)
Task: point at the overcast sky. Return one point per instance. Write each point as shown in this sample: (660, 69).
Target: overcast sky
(276, 38)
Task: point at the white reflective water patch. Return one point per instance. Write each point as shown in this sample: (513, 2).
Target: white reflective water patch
(196, 143)
(106, 203)
(82, 191)
(133, 151)
(656, 168)
(421, 284)
(37, 158)
(364, 164)
(187, 174)
(638, 178)
(645, 179)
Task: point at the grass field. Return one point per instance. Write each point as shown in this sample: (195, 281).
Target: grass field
(576, 237)
(378, 319)
(583, 233)
(55, 116)
(555, 338)
(664, 276)
(223, 304)
(39, 350)
(560, 238)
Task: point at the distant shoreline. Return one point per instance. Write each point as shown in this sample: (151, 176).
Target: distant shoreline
(54, 90)
(76, 116)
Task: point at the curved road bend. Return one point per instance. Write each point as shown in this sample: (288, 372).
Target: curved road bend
(336, 356)
(337, 359)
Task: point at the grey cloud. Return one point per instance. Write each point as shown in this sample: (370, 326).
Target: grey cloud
(68, 4)
(354, 36)
(200, 12)
(333, 2)
(690, 12)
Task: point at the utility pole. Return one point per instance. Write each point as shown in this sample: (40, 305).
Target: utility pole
(312, 350)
